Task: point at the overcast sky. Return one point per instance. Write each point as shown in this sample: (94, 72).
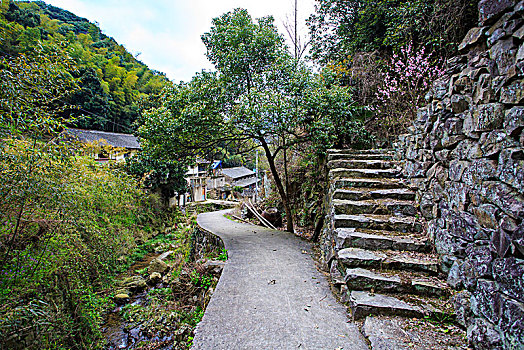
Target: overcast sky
(166, 33)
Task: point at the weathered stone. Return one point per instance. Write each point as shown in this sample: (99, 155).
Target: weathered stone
(134, 283)
(462, 225)
(509, 274)
(446, 244)
(485, 118)
(507, 199)
(121, 298)
(461, 304)
(519, 33)
(454, 279)
(483, 92)
(480, 170)
(472, 37)
(513, 93)
(517, 239)
(456, 194)
(504, 53)
(486, 215)
(493, 142)
(476, 265)
(490, 10)
(364, 304)
(514, 121)
(154, 278)
(511, 324)
(511, 167)
(467, 150)
(488, 300)
(508, 224)
(157, 265)
(456, 169)
(499, 33)
(483, 335)
(459, 104)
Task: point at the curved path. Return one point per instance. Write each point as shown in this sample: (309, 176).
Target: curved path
(270, 295)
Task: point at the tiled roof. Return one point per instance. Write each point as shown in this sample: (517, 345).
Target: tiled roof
(111, 138)
(237, 172)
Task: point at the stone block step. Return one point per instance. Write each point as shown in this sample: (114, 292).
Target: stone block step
(374, 206)
(362, 164)
(356, 194)
(386, 259)
(363, 173)
(341, 156)
(378, 240)
(394, 282)
(378, 184)
(363, 303)
(378, 222)
(364, 151)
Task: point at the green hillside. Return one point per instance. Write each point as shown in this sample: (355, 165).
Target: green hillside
(112, 82)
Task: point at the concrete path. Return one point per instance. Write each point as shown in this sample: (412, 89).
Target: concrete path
(270, 295)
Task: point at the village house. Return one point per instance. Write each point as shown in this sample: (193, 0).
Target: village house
(105, 146)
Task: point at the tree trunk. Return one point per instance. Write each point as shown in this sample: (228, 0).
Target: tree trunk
(280, 187)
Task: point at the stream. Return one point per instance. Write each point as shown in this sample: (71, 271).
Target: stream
(121, 334)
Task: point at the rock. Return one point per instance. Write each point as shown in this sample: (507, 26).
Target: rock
(511, 324)
(484, 118)
(273, 215)
(459, 104)
(461, 304)
(364, 304)
(134, 283)
(456, 169)
(157, 265)
(121, 298)
(511, 168)
(486, 215)
(504, 54)
(154, 278)
(509, 275)
(496, 35)
(467, 150)
(454, 277)
(506, 198)
(514, 121)
(493, 142)
(491, 10)
(216, 266)
(488, 300)
(479, 170)
(476, 265)
(483, 335)
(513, 93)
(483, 92)
(472, 37)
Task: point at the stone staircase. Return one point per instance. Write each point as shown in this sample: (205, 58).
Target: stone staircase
(377, 253)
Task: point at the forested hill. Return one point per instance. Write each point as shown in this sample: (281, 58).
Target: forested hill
(112, 83)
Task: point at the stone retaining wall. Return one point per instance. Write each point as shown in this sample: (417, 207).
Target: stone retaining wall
(465, 151)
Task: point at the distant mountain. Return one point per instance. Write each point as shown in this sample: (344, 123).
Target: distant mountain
(113, 82)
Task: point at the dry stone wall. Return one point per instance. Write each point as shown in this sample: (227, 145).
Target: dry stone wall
(465, 152)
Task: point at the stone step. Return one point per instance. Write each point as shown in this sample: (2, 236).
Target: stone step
(342, 156)
(362, 164)
(364, 151)
(374, 206)
(356, 194)
(378, 222)
(363, 173)
(363, 303)
(386, 259)
(378, 240)
(394, 282)
(378, 184)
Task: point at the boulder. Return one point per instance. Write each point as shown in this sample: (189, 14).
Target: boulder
(491, 10)
(154, 278)
(134, 283)
(121, 298)
(273, 215)
(157, 265)
(472, 37)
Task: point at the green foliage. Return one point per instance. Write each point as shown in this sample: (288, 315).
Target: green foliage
(341, 28)
(111, 81)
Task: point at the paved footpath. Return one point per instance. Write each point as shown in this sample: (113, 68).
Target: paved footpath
(270, 295)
